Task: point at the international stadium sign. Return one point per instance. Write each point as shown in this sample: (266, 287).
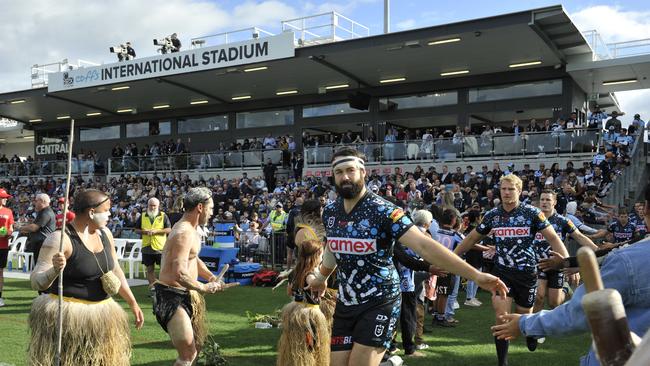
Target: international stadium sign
(227, 55)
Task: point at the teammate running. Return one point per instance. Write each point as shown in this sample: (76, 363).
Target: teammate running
(513, 225)
(361, 230)
(552, 279)
(623, 230)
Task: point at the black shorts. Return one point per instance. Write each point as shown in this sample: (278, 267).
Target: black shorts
(150, 257)
(371, 324)
(3, 257)
(444, 285)
(166, 301)
(522, 285)
(555, 279)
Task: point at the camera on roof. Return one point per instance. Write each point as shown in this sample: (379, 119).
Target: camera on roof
(122, 52)
(167, 44)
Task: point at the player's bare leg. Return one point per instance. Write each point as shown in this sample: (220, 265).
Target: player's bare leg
(556, 297)
(501, 306)
(541, 295)
(182, 336)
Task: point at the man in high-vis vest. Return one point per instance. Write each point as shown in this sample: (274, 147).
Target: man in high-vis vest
(154, 227)
(278, 221)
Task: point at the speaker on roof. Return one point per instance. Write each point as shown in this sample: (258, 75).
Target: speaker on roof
(359, 101)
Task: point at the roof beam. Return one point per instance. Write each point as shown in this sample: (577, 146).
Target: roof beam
(192, 89)
(560, 35)
(570, 45)
(547, 27)
(545, 38)
(83, 104)
(321, 60)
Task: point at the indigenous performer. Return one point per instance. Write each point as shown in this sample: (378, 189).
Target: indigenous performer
(305, 328)
(361, 231)
(178, 305)
(95, 328)
(514, 225)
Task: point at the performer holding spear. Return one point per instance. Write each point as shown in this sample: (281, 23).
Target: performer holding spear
(85, 326)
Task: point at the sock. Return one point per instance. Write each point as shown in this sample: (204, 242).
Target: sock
(531, 343)
(0, 294)
(502, 351)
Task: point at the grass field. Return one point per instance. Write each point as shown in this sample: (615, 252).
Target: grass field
(469, 344)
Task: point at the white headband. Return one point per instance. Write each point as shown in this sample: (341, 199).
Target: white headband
(348, 160)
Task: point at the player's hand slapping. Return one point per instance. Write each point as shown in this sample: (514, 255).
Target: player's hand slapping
(554, 261)
(317, 288)
(492, 284)
(509, 327)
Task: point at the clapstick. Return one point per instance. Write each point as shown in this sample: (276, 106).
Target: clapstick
(223, 271)
(605, 314)
(641, 355)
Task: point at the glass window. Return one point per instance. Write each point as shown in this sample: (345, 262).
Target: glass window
(265, 118)
(328, 110)
(418, 101)
(103, 133)
(535, 89)
(160, 128)
(137, 129)
(203, 124)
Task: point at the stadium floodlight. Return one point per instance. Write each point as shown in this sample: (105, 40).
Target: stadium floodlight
(63, 117)
(196, 102)
(123, 87)
(242, 97)
(162, 106)
(93, 114)
(443, 41)
(286, 92)
(35, 120)
(125, 110)
(524, 64)
(260, 68)
(17, 101)
(458, 72)
(616, 82)
(393, 80)
(338, 86)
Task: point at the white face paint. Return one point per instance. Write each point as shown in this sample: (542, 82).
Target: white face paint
(100, 218)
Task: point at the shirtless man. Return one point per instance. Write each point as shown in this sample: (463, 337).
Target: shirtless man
(178, 303)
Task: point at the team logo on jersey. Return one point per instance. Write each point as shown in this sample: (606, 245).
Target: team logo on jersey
(511, 232)
(379, 330)
(352, 245)
(539, 236)
(330, 222)
(541, 216)
(396, 214)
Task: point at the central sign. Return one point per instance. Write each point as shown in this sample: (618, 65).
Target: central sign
(228, 55)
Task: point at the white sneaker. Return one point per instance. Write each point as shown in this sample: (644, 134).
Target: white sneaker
(541, 340)
(472, 303)
(2, 302)
(456, 305)
(421, 346)
(477, 301)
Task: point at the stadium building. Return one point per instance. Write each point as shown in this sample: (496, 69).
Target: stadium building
(326, 75)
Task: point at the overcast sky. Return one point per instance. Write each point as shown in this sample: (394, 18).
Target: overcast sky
(42, 31)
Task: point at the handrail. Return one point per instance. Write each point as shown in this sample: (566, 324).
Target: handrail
(46, 168)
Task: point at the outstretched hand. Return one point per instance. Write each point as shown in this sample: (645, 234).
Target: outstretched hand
(555, 261)
(492, 284)
(317, 288)
(509, 327)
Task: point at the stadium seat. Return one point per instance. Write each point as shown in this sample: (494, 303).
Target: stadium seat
(134, 259)
(120, 247)
(19, 253)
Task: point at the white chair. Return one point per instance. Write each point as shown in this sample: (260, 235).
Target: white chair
(134, 259)
(21, 255)
(120, 247)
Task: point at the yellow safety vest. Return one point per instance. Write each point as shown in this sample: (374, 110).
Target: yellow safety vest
(157, 242)
(278, 221)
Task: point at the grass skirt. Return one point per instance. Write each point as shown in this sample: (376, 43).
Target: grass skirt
(305, 339)
(327, 306)
(199, 325)
(95, 334)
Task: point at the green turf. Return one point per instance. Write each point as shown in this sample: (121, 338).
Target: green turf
(469, 344)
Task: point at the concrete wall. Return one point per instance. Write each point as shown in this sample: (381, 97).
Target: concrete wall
(23, 149)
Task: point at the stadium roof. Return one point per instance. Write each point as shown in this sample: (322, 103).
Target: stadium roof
(484, 46)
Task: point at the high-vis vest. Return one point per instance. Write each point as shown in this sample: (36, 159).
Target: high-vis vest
(278, 221)
(157, 242)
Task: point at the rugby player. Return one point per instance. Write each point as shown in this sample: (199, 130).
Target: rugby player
(361, 230)
(513, 225)
(554, 280)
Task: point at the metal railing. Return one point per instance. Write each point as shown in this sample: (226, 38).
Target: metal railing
(46, 168)
(216, 160)
(538, 144)
(324, 28)
(607, 51)
(629, 181)
(229, 37)
(40, 73)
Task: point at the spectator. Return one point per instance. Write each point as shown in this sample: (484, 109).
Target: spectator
(613, 124)
(44, 224)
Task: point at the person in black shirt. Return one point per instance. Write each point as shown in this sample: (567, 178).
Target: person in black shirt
(88, 257)
(44, 224)
(175, 42)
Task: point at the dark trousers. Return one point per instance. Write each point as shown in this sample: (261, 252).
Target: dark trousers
(419, 278)
(408, 321)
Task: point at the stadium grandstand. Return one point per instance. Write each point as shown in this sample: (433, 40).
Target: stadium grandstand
(256, 118)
